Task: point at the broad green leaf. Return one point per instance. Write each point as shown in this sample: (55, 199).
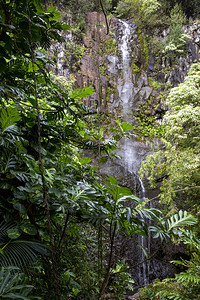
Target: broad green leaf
(112, 180)
(123, 191)
(65, 26)
(128, 196)
(85, 160)
(82, 93)
(30, 67)
(13, 233)
(124, 125)
(9, 117)
(75, 291)
(29, 229)
(54, 12)
(20, 207)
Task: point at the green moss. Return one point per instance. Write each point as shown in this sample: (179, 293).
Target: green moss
(110, 46)
(109, 92)
(135, 69)
(146, 126)
(102, 70)
(144, 49)
(155, 84)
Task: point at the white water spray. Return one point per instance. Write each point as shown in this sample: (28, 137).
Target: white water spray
(126, 88)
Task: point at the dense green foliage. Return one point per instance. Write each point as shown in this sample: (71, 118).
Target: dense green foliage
(51, 202)
(177, 160)
(59, 218)
(185, 285)
(174, 167)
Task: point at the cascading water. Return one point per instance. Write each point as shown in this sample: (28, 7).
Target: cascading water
(126, 88)
(130, 156)
(145, 243)
(132, 89)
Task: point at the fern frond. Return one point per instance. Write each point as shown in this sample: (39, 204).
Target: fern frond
(188, 277)
(182, 218)
(11, 162)
(192, 240)
(20, 175)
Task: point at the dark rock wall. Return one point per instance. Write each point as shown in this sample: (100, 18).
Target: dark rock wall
(102, 67)
(133, 152)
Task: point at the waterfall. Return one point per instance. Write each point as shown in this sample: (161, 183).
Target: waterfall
(126, 88)
(145, 242)
(129, 150)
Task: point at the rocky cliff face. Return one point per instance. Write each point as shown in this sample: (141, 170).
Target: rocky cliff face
(121, 68)
(101, 65)
(127, 76)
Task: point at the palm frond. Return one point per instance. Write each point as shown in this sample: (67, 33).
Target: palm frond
(18, 251)
(182, 218)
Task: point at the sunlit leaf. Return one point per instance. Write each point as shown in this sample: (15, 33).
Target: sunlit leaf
(85, 160)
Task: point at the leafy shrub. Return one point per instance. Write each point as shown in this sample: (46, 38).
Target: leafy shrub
(176, 41)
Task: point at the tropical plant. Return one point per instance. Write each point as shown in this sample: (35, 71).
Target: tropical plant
(185, 285)
(147, 14)
(172, 226)
(17, 246)
(134, 220)
(121, 280)
(48, 194)
(176, 41)
(12, 286)
(176, 163)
